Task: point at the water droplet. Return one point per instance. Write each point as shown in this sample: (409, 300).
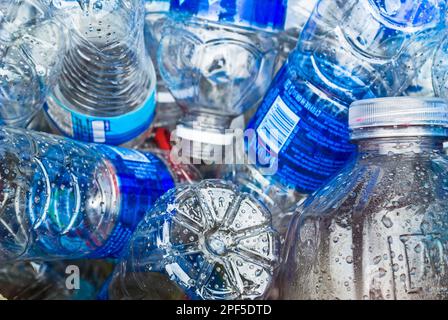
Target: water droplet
(418, 248)
(377, 259)
(387, 221)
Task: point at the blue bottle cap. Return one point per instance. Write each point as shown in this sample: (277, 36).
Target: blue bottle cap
(264, 14)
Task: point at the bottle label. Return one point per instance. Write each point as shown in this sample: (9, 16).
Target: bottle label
(310, 142)
(108, 130)
(142, 178)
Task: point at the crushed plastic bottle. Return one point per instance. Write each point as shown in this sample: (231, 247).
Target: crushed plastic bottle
(378, 229)
(106, 92)
(62, 199)
(204, 241)
(32, 39)
(218, 58)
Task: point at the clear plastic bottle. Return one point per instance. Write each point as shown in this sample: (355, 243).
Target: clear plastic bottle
(378, 229)
(106, 93)
(62, 199)
(348, 50)
(218, 58)
(204, 241)
(32, 39)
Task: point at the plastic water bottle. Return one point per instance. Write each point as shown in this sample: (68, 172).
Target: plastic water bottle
(106, 93)
(348, 50)
(168, 111)
(378, 229)
(203, 241)
(32, 39)
(218, 58)
(62, 199)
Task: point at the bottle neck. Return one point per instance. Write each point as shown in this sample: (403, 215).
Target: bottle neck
(400, 145)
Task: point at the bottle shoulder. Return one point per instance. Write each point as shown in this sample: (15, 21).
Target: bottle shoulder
(373, 186)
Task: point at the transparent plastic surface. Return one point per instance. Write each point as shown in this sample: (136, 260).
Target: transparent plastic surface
(440, 69)
(32, 40)
(63, 199)
(280, 200)
(106, 91)
(213, 68)
(168, 111)
(375, 231)
(205, 241)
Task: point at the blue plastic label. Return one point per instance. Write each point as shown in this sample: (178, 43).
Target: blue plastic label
(108, 130)
(295, 124)
(270, 14)
(142, 179)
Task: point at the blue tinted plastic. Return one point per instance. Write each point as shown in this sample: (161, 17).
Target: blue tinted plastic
(63, 199)
(347, 51)
(257, 13)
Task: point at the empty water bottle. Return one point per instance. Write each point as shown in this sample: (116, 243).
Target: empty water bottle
(106, 92)
(204, 241)
(32, 40)
(348, 50)
(218, 58)
(378, 229)
(64, 199)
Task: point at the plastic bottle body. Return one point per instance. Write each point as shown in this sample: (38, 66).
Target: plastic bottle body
(106, 93)
(377, 230)
(347, 51)
(32, 39)
(62, 199)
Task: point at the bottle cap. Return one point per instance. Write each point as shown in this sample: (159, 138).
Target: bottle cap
(264, 14)
(398, 112)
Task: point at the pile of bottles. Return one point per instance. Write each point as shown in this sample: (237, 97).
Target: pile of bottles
(223, 149)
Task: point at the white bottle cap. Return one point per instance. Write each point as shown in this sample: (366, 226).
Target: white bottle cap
(398, 113)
